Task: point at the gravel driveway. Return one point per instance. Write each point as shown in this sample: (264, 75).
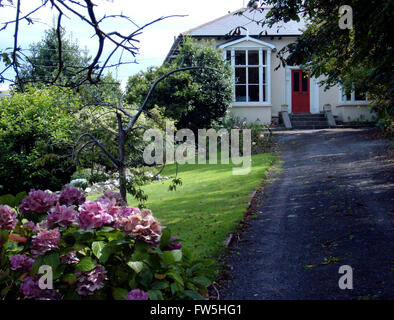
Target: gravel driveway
(332, 205)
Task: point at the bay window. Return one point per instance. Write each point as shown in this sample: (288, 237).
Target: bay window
(354, 97)
(251, 74)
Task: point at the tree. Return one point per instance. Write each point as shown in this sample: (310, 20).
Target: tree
(126, 124)
(85, 11)
(359, 58)
(43, 63)
(193, 99)
(36, 131)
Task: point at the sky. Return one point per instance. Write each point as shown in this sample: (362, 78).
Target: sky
(155, 41)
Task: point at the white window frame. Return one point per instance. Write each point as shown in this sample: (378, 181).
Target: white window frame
(252, 45)
(342, 99)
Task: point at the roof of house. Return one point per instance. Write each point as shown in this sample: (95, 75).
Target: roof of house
(223, 25)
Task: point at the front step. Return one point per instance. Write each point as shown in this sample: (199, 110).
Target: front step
(309, 121)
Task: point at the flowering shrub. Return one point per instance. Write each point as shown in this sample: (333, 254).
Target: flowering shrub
(95, 250)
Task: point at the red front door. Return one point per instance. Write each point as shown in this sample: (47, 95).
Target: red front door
(299, 91)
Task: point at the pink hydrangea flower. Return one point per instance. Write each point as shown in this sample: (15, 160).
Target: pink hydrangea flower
(61, 216)
(8, 218)
(110, 195)
(71, 196)
(89, 282)
(142, 226)
(94, 215)
(21, 261)
(137, 294)
(44, 241)
(124, 213)
(38, 201)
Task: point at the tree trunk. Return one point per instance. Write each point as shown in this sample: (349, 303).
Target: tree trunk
(121, 159)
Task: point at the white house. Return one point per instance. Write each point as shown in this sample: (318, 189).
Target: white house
(260, 90)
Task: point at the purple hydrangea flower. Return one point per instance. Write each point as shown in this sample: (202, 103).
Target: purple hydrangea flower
(173, 245)
(21, 261)
(89, 282)
(44, 241)
(61, 216)
(70, 258)
(29, 224)
(94, 215)
(38, 201)
(137, 294)
(110, 195)
(71, 196)
(29, 287)
(8, 219)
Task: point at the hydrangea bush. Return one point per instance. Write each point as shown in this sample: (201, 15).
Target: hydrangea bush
(99, 249)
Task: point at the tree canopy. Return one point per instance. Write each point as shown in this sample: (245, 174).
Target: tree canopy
(194, 98)
(359, 58)
(47, 57)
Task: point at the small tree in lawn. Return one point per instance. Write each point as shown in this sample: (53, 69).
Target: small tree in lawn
(124, 129)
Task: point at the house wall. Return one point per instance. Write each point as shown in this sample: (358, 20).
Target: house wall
(280, 93)
(264, 113)
(359, 113)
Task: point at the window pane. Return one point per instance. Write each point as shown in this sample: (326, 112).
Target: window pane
(240, 93)
(304, 82)
(359, 95)
(228, 55)
(240, 75)
(264, 92)
(296, 81)
(253, 92)
(253, 57)
(240, 57)
(264, 74)
(253, 75)
(264, 57)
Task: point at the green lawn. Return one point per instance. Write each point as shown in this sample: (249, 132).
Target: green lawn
(204, 210)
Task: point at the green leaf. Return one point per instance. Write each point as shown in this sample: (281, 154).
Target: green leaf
(159, 285)
(137, 266)
(58, 272)
(52, 260)
(168, 258)
(119, 293)
(202, 280)
(177, 254)
(86, 264)
(97, 247)
(141, 246)
(69, 278)
(101, 250)
(175, 276)
(193, 295)
(36, 265)
(155, 295)
(165, 238)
